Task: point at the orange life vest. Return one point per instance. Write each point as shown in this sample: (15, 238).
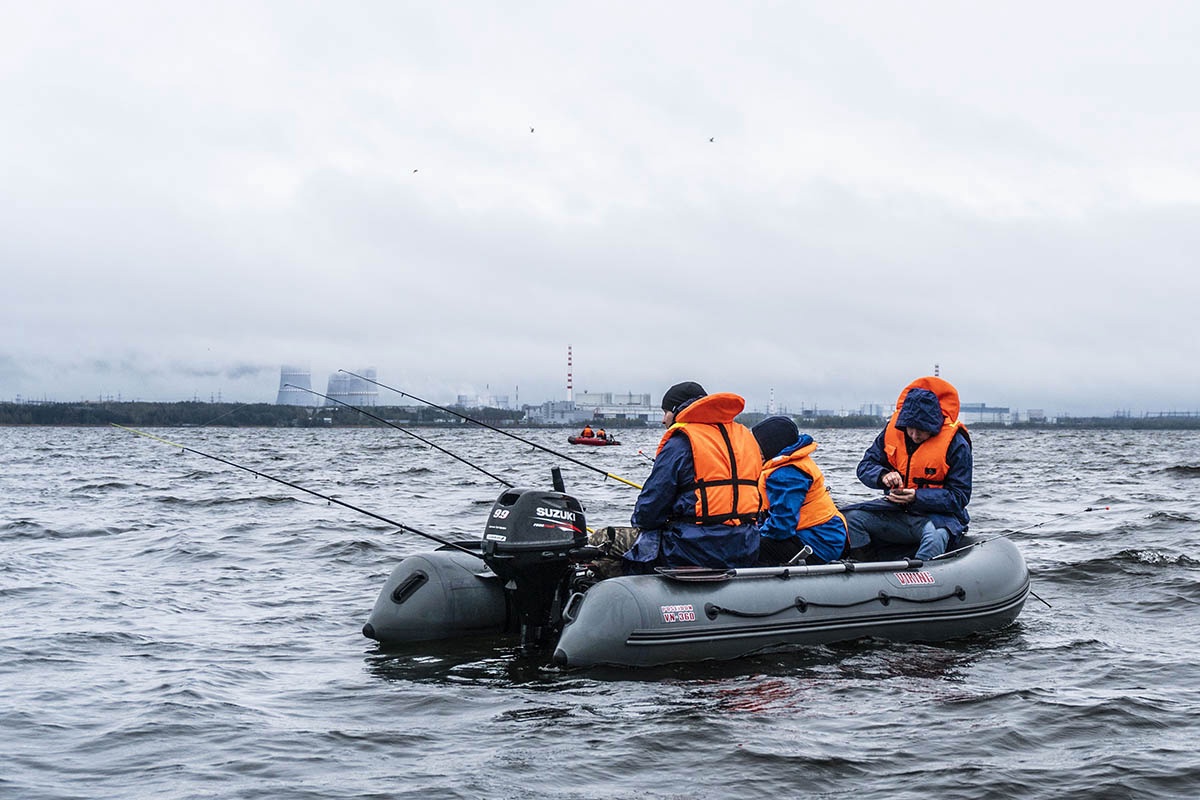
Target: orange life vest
(927, 466)
(818, 506)
(727, 460)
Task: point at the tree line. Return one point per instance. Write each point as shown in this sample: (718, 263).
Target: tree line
(237, 415)
(269, 415)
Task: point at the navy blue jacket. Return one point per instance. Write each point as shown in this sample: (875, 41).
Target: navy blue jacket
(946, 507)
(663, 542)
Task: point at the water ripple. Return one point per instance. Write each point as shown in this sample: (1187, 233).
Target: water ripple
(183, 630)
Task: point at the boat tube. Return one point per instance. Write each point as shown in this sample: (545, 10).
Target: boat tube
(686, 615)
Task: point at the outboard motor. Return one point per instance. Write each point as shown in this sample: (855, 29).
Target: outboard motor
(527, 541)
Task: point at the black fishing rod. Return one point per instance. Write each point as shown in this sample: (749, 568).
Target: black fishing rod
(324, 497)
(494, 428)
(1020, 530)
(403, 430)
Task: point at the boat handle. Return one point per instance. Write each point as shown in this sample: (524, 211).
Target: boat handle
(568, 612)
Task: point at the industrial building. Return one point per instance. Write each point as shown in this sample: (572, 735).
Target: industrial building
(353, 390)
(295, 388)
(637, 409)
(981, 413)
(295, 385)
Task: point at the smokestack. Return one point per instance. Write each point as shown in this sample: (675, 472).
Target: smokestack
(570, 388)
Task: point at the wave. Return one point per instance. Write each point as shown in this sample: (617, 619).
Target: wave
(350, 548)
(87, 487)
(1130, 562)
(1157, 558)
(224, 624)
(1169, 515)
(30, 529)
(227, 501)
(1185, 470)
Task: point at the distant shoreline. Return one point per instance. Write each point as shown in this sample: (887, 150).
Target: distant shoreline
(269, 415)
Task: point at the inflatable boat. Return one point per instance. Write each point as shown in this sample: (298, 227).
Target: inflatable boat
(532, 573)
(595, 441)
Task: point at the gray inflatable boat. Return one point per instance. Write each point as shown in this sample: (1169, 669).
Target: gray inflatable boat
(530, 574)
(693, 615)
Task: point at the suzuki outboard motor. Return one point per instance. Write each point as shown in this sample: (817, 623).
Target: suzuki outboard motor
(528, 539)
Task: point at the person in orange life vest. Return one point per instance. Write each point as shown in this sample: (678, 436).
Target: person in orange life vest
(587, 431)
(699, 504)
(922, 460)
(797, 508)
(600, 434)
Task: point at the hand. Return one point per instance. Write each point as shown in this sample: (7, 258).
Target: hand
(892, 480)
(901, 496)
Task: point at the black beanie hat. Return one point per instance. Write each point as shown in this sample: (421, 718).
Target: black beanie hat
(774, 434)
(680, 393)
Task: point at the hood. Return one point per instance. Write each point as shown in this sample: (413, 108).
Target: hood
(921, 410)
(714, 408)
(804, 446)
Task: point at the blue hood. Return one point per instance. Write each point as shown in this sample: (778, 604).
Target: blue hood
(920, 410)
(804, 441)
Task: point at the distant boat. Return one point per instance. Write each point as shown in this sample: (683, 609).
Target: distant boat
(597, 441)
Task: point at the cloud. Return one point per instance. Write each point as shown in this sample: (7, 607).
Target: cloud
(193, 199)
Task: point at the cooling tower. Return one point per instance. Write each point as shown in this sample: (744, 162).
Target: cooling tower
(354, 391)
(289, 379)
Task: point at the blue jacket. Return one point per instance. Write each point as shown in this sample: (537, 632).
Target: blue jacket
(678, 544)
(946, 507)
(786, 490)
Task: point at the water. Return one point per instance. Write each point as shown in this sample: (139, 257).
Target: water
(172, 627)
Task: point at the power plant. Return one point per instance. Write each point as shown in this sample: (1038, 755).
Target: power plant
(352, 390)
(289, 395)
(295, 388)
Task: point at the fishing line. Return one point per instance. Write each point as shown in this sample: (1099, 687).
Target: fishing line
(324, 497)
(1020, 530)
(236, 407)
(558, 477)
(403, 430)
(494, 428)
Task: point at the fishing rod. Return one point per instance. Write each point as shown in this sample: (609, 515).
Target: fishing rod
(324, 497)
(643, 455)
(556, 474)
(404, 430)
(1020, 530)
(494, 428)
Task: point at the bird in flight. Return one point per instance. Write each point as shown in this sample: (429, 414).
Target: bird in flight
(531, 129)
(711, 138)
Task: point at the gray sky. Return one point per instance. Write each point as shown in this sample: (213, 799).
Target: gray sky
(194, 194)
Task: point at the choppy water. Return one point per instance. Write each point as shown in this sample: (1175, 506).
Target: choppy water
(175, 628)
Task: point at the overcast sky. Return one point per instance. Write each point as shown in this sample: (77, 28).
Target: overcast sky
(823, 200)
